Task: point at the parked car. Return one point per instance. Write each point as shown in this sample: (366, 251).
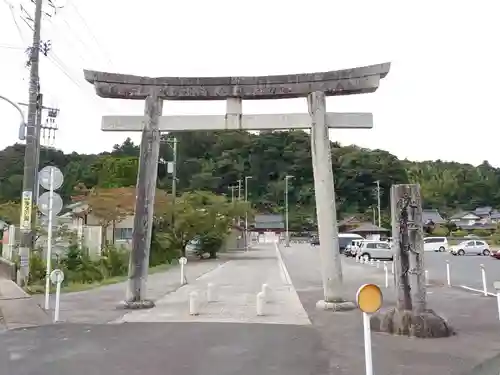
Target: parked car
(435, 244)
(375, 250)
(352, 249)
(474, 247)
(496, 255)
(344, 240)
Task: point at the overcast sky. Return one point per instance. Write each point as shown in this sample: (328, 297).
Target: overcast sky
(437, 101)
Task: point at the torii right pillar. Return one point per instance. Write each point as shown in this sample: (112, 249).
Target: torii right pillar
(326, 211)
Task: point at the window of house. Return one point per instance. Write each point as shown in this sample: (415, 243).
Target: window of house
(123, 233)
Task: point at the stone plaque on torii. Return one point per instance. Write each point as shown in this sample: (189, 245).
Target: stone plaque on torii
(315, 87)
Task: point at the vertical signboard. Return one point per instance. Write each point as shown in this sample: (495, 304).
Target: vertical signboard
(26, 206)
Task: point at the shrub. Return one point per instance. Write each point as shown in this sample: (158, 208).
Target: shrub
(211, 243)
(114, 261)
(459, 233)
(481, 232)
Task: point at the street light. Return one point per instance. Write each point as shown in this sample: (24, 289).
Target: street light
(22, 126)
(378, 201)
(287, 235)
(246, 211)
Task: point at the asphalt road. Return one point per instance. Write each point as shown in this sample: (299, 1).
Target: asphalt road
(465, 270)
(163, 348)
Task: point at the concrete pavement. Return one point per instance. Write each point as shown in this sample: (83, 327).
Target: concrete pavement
(99, 305)
(237, 283)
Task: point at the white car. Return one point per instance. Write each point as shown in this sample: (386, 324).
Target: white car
(474, 247)
(375, 250)
(435, 244)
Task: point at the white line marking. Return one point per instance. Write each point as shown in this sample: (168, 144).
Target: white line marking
(477, 290)
(286, 275)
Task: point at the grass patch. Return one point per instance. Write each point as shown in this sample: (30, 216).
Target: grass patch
(80, 287)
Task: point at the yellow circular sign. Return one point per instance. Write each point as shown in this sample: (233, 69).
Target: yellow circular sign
(369, 298)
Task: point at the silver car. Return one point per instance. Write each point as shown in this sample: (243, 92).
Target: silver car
(471, 247)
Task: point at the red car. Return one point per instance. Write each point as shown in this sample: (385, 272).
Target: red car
(496, 255)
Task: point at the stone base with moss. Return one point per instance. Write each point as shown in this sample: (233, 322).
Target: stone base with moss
(137, 305)
(406, 323)
(341, 305)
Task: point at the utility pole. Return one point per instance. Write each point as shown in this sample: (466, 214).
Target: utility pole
(287, 234)
(378, 201)
(30, 151)
(246, 211)
(41, 128)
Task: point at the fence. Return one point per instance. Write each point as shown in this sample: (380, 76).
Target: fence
(89, 237)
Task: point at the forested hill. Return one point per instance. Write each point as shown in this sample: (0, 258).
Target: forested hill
(216, 160)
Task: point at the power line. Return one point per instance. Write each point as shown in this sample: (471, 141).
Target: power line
(71, 4)
(13, 15)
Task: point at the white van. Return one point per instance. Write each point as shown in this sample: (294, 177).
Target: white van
(435, 244)
(346, 239)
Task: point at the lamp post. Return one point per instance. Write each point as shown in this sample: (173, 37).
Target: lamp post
(287, 234)
(22, 126)
(378, 201)
(246, 211)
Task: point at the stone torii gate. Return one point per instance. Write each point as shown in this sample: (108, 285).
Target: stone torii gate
(314, 86)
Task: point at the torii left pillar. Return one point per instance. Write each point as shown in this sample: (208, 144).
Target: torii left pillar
(144, 206)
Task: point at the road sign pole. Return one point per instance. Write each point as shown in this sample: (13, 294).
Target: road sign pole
(368, 343)
(49, 241)
(369, 299)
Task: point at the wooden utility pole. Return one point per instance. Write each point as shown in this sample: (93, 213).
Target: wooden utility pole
(30, 150)
(144, 206)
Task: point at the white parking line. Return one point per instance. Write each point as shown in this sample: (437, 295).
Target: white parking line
(477, 290)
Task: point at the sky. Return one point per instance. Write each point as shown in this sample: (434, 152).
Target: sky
(436, 103)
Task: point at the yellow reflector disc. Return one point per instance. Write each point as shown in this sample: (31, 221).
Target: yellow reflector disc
(369, 298)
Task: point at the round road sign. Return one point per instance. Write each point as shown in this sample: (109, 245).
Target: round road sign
(44, 177)
(183, 260)
(44, 200)
(57, 276)
(369, 298)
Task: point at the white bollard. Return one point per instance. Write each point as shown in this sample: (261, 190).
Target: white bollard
(211, 293)
(57, 277)
(260, 302)
(485, 285)
(448, 273)
(378, 263)
(426, 277)
(392, 266)
(193, 303)
(357, 259)
(361, 260)
(496, 284)
(265, 292)
(371, 262)
(183, 262)
(386, 270)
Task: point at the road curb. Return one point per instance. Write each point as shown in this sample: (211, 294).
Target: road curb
(287, 279)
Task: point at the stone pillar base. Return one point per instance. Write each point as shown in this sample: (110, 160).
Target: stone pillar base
(335, 306)
(137, 305)
(405, 323)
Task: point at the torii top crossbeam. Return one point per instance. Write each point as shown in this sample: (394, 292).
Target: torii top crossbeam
(338, 82)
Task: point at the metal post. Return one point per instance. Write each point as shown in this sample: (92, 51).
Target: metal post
(49, 241)
(38, 131)
(29, 155)
(378, 202)
(239, 200)
(287, 234)
(22, 125)
(174, 181)
(246, 211)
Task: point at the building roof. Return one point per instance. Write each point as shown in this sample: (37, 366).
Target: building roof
(368, 228)
(483, 210)
(461, 214)
(269, 221)
(432, 215)
(495, 214)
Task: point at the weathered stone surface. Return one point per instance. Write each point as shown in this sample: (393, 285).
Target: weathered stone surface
(136, 305)
(335, 306)
(339, 82)
(407, 323)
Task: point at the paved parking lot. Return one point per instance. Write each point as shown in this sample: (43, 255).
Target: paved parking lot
(465, 270)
